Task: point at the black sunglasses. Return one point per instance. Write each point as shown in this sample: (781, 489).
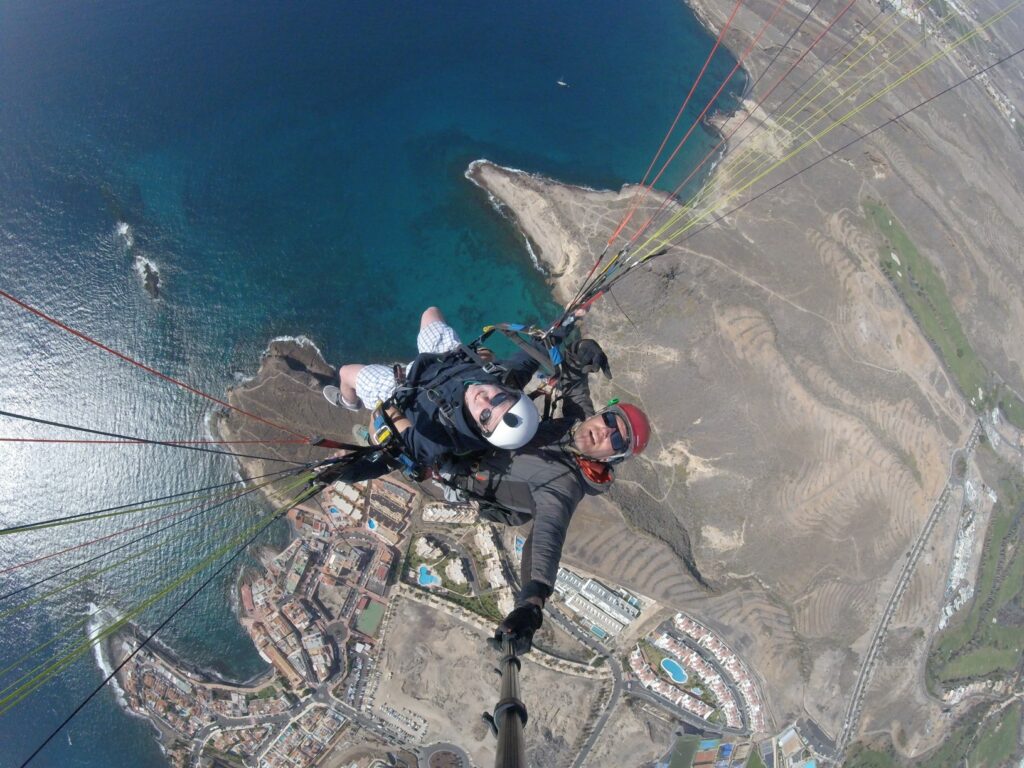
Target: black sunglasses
(498, 399)
(619, 442)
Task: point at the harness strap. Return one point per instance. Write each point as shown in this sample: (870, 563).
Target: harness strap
(550, 362)
(386, 438)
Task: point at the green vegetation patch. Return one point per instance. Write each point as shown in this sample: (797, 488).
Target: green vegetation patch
(268, 692)
(755, 760)
(923, 291)
(987, 642)
(653, 654)
(998, 741)
(219, 758)
(684, 752)
(981, 662)
(369, 620)
(484, 605)
(957, 745)
(861, 756)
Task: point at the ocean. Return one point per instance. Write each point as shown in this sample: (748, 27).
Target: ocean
(288, 169)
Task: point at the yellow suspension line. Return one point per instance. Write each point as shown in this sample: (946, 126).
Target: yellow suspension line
(659, 239)
(134, 556)
(805, 126)
(26, 689)
(755, 158)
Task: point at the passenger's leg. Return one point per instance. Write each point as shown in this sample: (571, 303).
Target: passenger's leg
(436, 336)
(347, 376)
(372, 383)
(431, 315)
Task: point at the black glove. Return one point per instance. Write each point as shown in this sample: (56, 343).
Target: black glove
(520, 625)
(588, 357)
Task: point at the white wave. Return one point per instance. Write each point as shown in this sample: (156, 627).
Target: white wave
(715, 163)
(533, 255)
(506, 213)
(519, 172)
(302, 340)
(145, 267)
(125, 232)
(208, 430)
(98, 620)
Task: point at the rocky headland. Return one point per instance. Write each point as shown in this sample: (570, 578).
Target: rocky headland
(805, 424)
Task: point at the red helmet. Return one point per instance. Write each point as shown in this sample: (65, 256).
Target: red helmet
(637, 425)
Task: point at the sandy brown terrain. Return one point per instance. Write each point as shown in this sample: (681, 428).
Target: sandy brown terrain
(804, 424)
(440, 668)
(634, 736)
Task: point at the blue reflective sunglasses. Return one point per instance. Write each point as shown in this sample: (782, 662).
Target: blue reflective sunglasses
(619, 442)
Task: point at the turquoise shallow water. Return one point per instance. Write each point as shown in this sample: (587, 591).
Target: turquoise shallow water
(290, 169)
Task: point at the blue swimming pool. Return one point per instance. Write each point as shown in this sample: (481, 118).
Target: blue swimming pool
(333, 510)
(674, 670)
(426, 578)
(371, 524)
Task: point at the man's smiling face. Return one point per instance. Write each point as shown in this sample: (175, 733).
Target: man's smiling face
(487, 404)
(602, 436)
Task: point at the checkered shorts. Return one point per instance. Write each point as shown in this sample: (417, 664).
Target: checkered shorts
(438, 337)
(376, 383)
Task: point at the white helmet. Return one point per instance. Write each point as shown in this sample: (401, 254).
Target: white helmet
(517, 426)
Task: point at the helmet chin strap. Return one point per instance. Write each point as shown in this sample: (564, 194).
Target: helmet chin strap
(596, 470)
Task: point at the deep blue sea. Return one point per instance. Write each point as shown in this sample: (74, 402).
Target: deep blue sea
(289, 168)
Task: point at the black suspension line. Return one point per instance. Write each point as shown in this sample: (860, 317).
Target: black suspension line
(144, 440)
(274, 518)
(127, 544)
(67, 519)
(717, 218)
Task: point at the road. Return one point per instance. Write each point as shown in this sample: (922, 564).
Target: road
(322, 695)
(853, 711)
(613, 665)
(425, 753)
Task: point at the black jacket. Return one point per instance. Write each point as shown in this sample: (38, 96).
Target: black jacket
(542, 482)
(432, 399)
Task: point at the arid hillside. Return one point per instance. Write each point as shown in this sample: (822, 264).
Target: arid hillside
(805, 422)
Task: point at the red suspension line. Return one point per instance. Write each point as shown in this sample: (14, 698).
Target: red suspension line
(304, 441)
(639, 197)
(143, 366)
(108, 536)
(746, 117)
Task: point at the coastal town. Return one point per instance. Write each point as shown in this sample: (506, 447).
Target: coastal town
(318, 611)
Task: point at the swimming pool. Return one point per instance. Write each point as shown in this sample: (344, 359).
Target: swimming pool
(426, 578)
(334, 510)
(371, 524)
(674, 670)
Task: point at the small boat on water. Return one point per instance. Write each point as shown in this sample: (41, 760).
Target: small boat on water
(561, 82)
